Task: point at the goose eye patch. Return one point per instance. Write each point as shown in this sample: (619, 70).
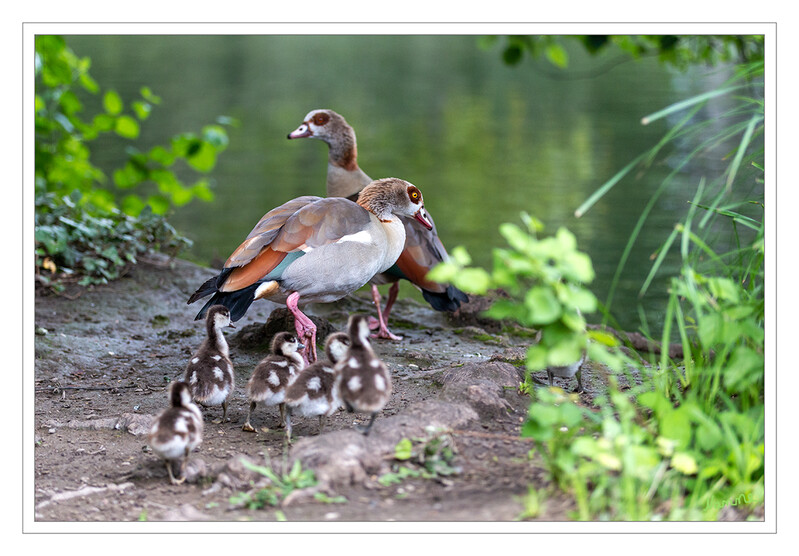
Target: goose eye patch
(321, 118)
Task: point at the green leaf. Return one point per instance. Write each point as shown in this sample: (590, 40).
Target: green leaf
(684, 463)
(112, 103)
(565, 352)
(676, 425)
(461, 256)
(512, 55)
(604, 338)
(148, 95)
(543, 305)
(201, 156)
(216, 136)
(161, 155)
(556, 54)
(536, 358)
(104, 122)
(443, 273)
(403, 450)
(127, 127)
(88, 83)
(577, 267)
(708, 436)
(142, 109)
(158, 203)
(473, 280)
(133, 205)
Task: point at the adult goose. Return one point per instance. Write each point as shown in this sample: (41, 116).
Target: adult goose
(316, 250)
(423, 249)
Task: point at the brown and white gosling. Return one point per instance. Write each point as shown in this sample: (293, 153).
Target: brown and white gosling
(177, 430)
(210, 371)
(274, 374)
(314, 392)
(364, 382)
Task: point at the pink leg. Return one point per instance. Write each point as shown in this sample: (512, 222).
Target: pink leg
(383, 331)
(393, 291)
(306, 329)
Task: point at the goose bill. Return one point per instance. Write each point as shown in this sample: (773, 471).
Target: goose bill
(303, 131)
(422, 217)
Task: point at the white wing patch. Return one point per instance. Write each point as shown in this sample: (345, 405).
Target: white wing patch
(380, 383)
(359, 237)
(315, 383)
(280, 363)
(216, 357)
(219, 374)
(195, 360)
(353, 363)
(374, 363)
(181, 426)
(273, 379)
(354, 383)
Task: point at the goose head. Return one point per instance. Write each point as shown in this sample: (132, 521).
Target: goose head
(179, 394)
(218, 316)
(336, 346)
(389, 196)
(285, 344)
(334, 130)
(324, 124)
(358, 330)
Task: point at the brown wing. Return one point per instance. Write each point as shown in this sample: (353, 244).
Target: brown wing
(313, 223)
(266, 230)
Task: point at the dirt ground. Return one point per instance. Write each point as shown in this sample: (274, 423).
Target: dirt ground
(104, 358)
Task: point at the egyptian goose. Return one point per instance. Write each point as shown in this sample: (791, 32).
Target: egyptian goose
(313, 392)
(423, 250)
(177, 430)
(273, 375)
(210, 371)
(312, 249)
(363, 380)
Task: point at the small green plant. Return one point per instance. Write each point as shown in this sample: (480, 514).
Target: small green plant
(280, 486)
(431, 457)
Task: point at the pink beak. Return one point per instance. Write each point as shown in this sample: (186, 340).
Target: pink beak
(422, 217)
(303, 131)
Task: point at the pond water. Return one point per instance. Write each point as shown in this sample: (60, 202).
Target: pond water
(482, 140)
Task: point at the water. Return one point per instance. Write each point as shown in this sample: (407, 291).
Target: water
(483, 141)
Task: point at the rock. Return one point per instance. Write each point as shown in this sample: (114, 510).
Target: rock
(186, 512)
(347, 457)
(235, 475)
(481, 386)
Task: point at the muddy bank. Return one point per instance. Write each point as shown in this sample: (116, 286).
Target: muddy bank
(103, 361)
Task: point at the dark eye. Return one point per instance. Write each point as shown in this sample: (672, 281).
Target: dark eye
(321, 118)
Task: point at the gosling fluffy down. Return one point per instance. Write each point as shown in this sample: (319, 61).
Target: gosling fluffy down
(177, 430)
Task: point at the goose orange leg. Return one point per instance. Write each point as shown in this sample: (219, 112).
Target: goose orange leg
(305, 328)
(382, 317)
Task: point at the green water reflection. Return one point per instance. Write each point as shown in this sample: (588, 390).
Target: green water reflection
(483, 141)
